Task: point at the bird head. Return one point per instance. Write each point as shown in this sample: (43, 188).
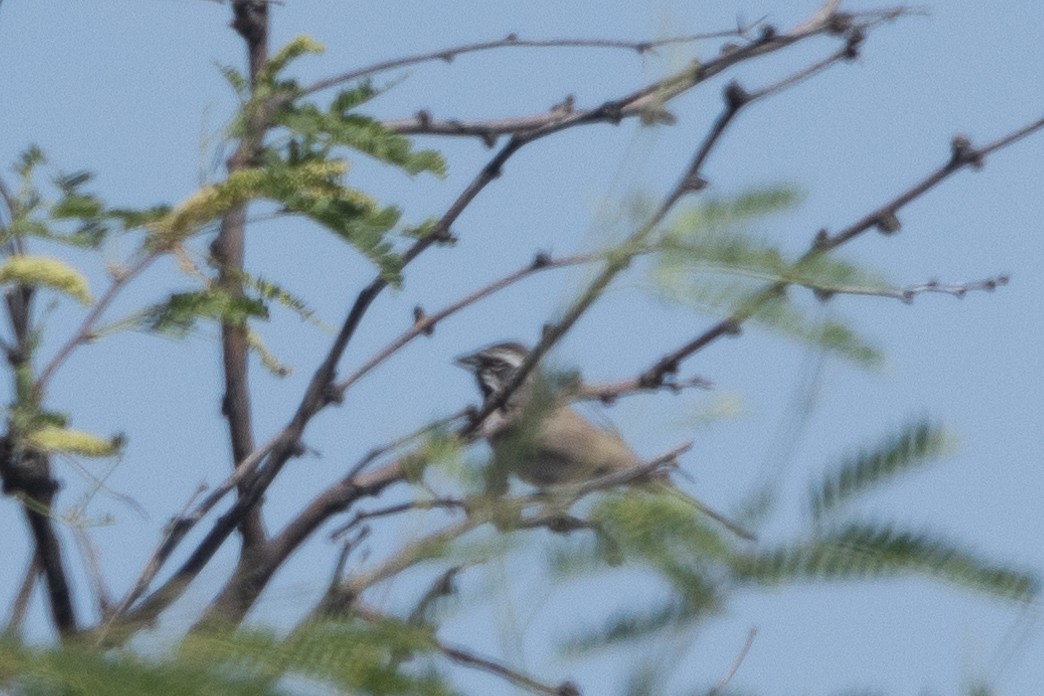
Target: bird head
(494, 365)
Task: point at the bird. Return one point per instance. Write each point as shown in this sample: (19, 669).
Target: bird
(545, 442)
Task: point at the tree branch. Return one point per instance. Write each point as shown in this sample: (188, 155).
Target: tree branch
(513, 41)
(884, 218)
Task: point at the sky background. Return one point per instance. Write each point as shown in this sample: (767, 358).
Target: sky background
(129, 90)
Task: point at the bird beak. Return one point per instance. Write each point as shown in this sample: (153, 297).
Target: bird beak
(468, 362)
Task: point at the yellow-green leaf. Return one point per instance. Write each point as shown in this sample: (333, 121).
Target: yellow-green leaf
(47, 272)
(54, 439)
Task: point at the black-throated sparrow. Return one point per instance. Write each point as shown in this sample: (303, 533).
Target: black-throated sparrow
(557, 445)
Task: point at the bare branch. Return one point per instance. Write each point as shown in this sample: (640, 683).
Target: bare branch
(907, 294)
(736, 98)
(424, 504)
(513, 41)
(609, 393)
(884, 218)
(425, 323)
(469, 659)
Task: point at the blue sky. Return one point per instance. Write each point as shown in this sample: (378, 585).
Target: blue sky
(128, 89)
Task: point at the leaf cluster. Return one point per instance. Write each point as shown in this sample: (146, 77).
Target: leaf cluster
(711, 241)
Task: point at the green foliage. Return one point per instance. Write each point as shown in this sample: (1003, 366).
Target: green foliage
(273, 292)
(54, 439)
(46, 272)
(75, 217)
(349, 656)
(317, 131)
(85, 671)
(860, 551)
(708, 241)
(177, 316)
(628, 625)
(915, 444)
(670, 537)
(299, 168)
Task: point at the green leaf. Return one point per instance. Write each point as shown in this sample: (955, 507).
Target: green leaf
(295, 48)
(239, 83)
(626, 625)
(268, 359)
(776, 314)
(272, 292)
(178, 315)
(67, 441)
(873, 551)
(28, 160)
(44, 271)
(914, 445)
(336, 126)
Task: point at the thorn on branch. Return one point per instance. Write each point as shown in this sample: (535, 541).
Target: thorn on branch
(443, 235)
(693, 182)
(735, 96)
(822, 240)
(767, 33)
(447, 56)
(855, 40)
(546, 331)
(839, 23)
(541, 260)
(489, 139)
(963, 153)
(423, 118)
(332, 395)
(564, 107)
(512, 37)
(728, 48)
(612, 112)
(643, 47)
(822, 294)
(730, 327)
(298, 449)
(419, 317)
(568, 689)
(888, 223)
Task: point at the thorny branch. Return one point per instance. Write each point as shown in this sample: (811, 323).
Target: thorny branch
(884, 218)
(736, 98)
(513, 41)
(319, 394)
(266, 465)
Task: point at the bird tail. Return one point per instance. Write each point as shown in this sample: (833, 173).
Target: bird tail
(734, 527)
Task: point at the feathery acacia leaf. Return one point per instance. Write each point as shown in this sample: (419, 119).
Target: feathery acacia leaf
(777, 314)
(352, 657)
(47, 272)
(81, 669)
(335, 127)
(177, 316)
(626, 625)
(871, 551)
(915, 444)
(63, 440)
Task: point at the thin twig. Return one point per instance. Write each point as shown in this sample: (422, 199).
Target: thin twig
(907, 294)
(20, 604)
(83, 332)
(727, 677)
(485, 664)
(428, 504)
(512, 41)
(424, 324)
